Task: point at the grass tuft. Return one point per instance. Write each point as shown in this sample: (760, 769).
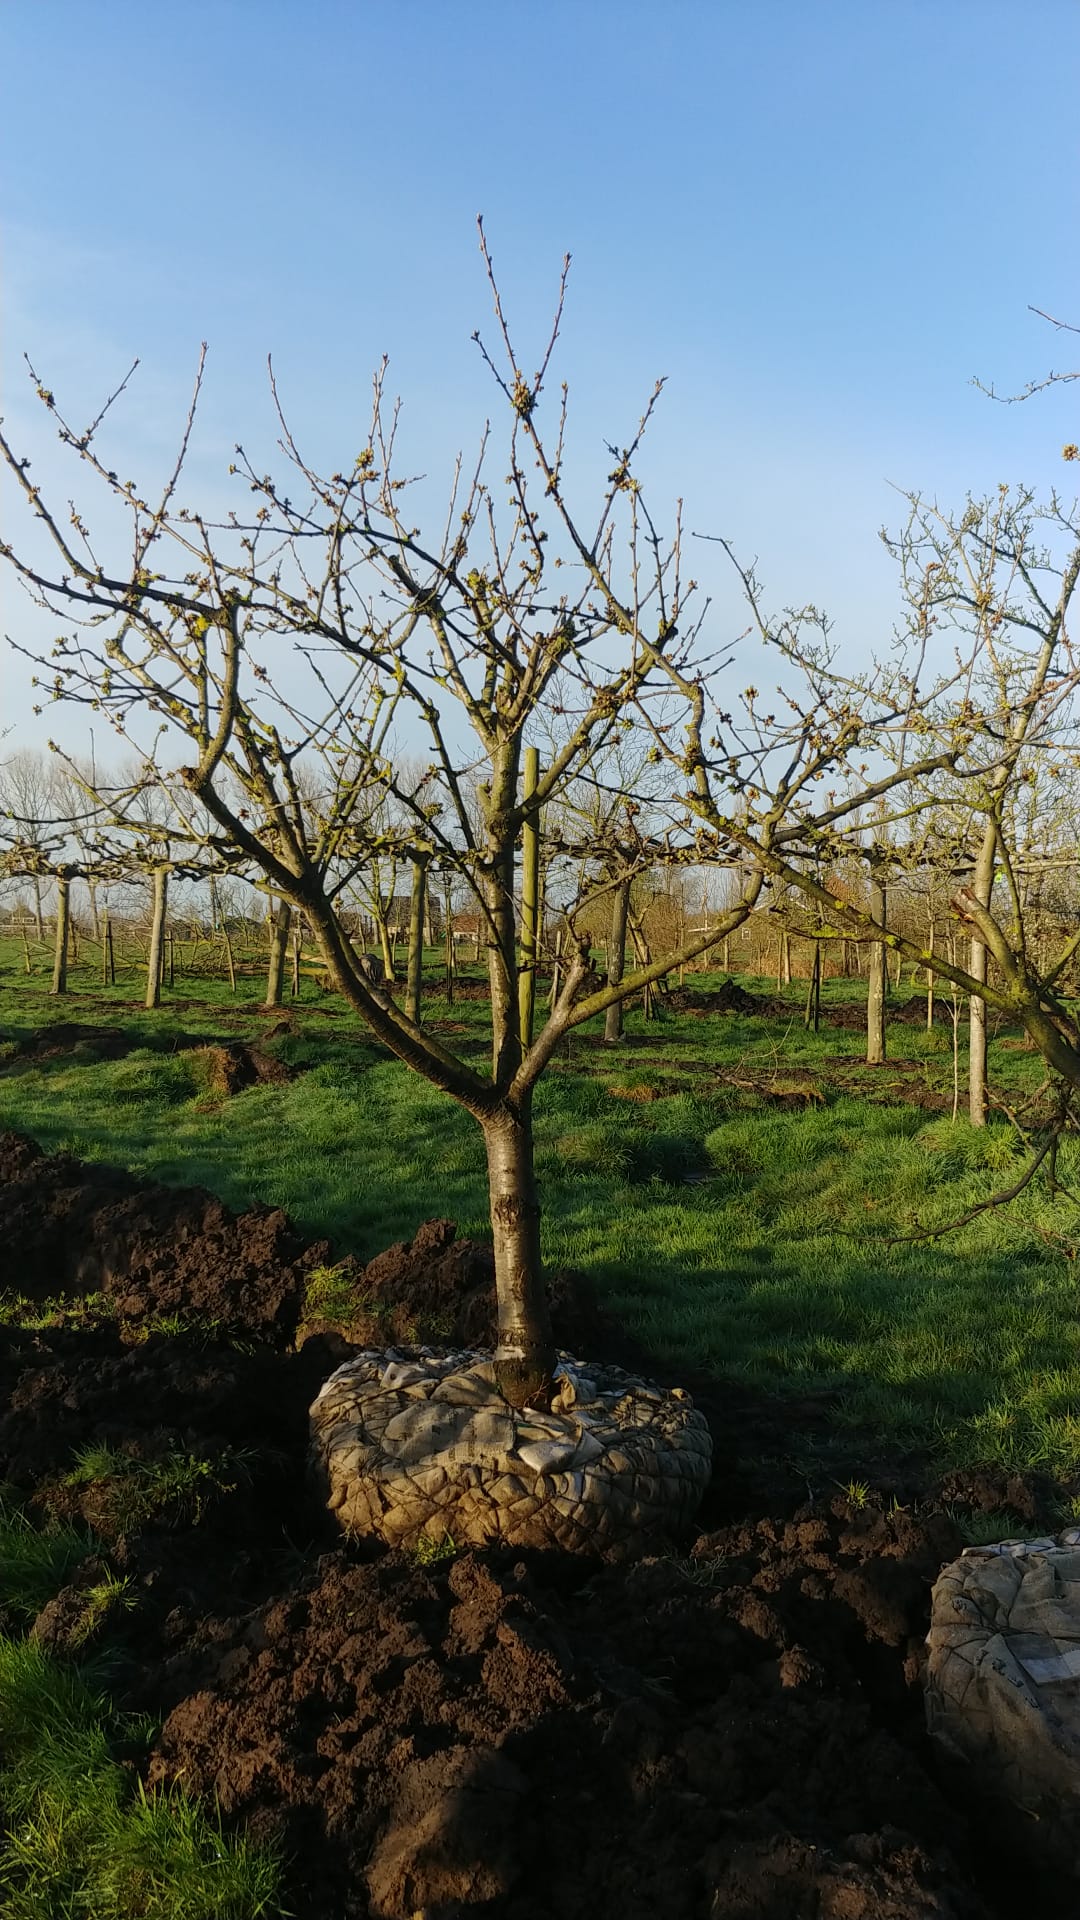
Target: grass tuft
(35, 1564)
(77, 1842)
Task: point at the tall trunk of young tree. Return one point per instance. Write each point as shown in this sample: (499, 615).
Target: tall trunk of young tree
(38, 914)
(930, 979)
(63, 924)
(530, 901)
(385, 948)
(620, 909)
(812, 1011)
(417, 916)
(876, 986)
(280, 923)
(525, 1357)
(95, 917)
(501, 930)
(157, 937)
(783, 970)
(982, 886)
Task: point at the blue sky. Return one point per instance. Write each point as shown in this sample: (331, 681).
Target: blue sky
(818, 220)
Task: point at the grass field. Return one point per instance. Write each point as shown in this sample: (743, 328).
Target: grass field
(734, 1187)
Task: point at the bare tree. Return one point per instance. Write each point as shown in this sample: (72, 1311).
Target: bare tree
(996, 586)
(516, 607)
(28, 803)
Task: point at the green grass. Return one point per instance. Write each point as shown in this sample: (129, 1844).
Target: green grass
(34, 1565)
(176, 1486)
(728, 1233)
(78, 1840)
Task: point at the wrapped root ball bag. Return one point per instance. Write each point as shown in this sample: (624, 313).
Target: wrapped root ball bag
(1003, 1682)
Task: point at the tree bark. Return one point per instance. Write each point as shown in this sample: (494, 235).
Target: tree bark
(385, 947)
(876, 982)
(157, 937)
(978, 1092)
(38, 915)
(63, 922)
(229, 961)
(502, 932)
(530, 901)
(525, 1355)
(415, 987)
(279, 947)
(620, 908)
(982, 886)
(812, 1014)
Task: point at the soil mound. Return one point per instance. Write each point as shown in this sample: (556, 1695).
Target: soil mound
(729, 997)
(729, 1733)
(75, 1227)
(69, 1036)
(683, 1738)
(438, 1290)
(69, 1226)
(233, 1066)
(62, 1039)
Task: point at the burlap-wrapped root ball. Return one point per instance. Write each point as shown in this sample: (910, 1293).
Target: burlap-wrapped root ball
(411, 1443)
(1003, 1686)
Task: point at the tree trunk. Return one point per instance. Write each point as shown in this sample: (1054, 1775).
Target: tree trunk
(63, 922)
(502, 930)
(530, 900)
(157, 937)
(279, 947)
(385, 948)
(812, 1014)
(556, 968)
(229, 961)
(620, 908)
(525, 1356)
(982, 886)
(95, 917)
(38, 915)
(930, 983)
(978, 1098)
(415, 987)
(876, 982)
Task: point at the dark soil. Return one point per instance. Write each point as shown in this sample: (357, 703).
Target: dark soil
(729, 997)
(66, 1039)
(229, 1066)
(232, 1066)
(68, 1226)
(729, 1729)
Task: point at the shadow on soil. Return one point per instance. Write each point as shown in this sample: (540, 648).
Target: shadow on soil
(730, 1726)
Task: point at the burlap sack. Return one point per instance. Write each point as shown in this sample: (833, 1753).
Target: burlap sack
(1003, 1681)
